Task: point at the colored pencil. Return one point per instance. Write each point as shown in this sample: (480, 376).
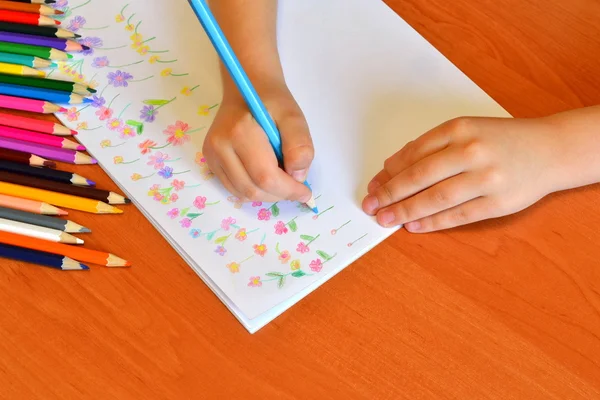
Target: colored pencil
(16, 69)
(239, 76)
(35, 1)
(52, 84)
(17, 17)
(36, 106)
(40, 258)
(52, 153)
(38, 232)
(56, 43)
(39, 138)
(34, 124)
(28, 61)
(37, 51)
(54, 96)
(25, 158)
(75, 252)
(45, 221)
(58, 199)
(68, 178)
(36, 207)
(45, 31)
(63, 188)
(29, 8)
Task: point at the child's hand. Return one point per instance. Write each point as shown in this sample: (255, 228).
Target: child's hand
(238, 151)
(466, 170)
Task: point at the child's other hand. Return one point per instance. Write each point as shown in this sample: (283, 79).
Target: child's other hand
(238, 151)
(466, 170)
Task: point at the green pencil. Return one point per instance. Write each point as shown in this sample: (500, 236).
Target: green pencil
(28, 61)
(63, 86)
(37, 51)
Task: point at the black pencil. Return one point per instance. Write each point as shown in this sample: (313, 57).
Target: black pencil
(34, 1)
(45, 31)
(57, 187)
(44, 173)
(44, 221)
(40, 258)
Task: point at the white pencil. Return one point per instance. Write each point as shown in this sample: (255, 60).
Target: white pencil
(38, 232)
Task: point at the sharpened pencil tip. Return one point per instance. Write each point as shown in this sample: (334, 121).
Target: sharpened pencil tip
(84, 47)
(77, 36)
(50, 1)
(74, 132)
(58, 12)
(93, 161)
(127, 264)
(53, 65)
(127, 201)
(91, 90)
(50, 164)
(315, 210)
(62, 110)
(87, 100)
(90, 183)
(85, 230)
(57, 22)
(84, 267)
(80, 147)
(69, 56)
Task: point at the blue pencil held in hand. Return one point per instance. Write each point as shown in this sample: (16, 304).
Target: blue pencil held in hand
(255, 104)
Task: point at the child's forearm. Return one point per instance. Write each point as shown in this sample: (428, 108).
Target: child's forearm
(578, 138)
(250, 27)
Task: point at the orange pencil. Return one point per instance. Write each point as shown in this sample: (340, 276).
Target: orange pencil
(29, 8)
(24, 18)
(76, 253)
(36, 207)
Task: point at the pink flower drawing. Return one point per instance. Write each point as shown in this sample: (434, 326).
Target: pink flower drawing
(280, 228)
(227, 222)
(302, 248)
(316, 265)
(264, 214)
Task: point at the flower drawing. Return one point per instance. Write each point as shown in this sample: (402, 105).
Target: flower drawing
(295, 265)
(100, 62)
(114, 124)
(316, 265)
(257, 203)
(104, 113)
(82, 125)
(136, 177)
(173, 213)
(119, 18)
(185, 223)
(119, 78)
(166, 72)
(200, 202)
(195, 233)
(177, 133)
(255, 281)
(177, 184)
(284, 257)
(105, 143)
(241, 234)
(227, 222)
(91, 42)
(126, 132)
(76, 24)
(302, 248)
(72, 114)
(118, 160)
(233, 267)
(264, 214)
(158, 160)
(97, 101)
(146, 147)
(280, 228)
(220, 250)
(166, 172)
(148, 114)
(260, 249)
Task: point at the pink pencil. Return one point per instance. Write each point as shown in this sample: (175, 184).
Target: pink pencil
(39, 138)
(23, 104)
(37, 125)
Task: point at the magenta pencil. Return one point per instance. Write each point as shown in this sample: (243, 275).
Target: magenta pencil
(52, 153)
(39, 138)
(23, 104)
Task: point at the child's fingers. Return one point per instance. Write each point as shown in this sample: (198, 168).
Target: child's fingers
(416, 178)
(245, 187)
(297, 146)
(261, 165)
(472, 211)
(445, 195)
(380, 179)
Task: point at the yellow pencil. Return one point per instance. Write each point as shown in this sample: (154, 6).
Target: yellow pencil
(58, 199)
(13, 69)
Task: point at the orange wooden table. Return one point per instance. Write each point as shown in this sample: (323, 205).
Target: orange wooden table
(506, 309)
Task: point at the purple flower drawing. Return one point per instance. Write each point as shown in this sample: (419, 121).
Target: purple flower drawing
(100, 62)
(148, 114)
(76, 23)
(119, 78)
(91, 42)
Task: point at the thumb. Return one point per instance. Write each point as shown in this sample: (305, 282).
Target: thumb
(297, 146)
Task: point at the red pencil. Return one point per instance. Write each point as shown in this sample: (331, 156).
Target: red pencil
(36, 106)
(17, 17)
(39, 138)
(33, 124)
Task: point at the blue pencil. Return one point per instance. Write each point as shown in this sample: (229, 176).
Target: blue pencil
(255, 104)
(40, 258)
(50, 95)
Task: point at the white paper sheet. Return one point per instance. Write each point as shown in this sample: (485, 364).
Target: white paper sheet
(367, 82)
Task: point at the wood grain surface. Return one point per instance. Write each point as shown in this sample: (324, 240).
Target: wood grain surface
(505, 309)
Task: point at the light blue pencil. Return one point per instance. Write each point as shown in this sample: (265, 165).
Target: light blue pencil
(255, 104)
(53, 96)
(28, 61)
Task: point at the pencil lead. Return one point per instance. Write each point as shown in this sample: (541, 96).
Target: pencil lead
(85, 230)
(84, 47)
(50, 164)
(127, 201)
(62, 110)
(91, 90)
(74, 132)
(315, 210)
(56, 22)
(76, 35)
(90, 183)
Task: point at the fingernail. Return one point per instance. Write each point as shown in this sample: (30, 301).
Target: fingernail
(414, 226)
(370, 204)
(374, 184)
(300, 176)
(386, 218)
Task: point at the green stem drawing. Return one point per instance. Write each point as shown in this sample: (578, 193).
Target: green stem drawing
(322, 212)
(121, 113)
(360, 238)
(142, 80)
(166, 62)
(81, 109)
(147, 40)
(113, 99)
(312, 240)
(129, 21)
(168, 161)
(95, 29)
(111, 48)
(126, 65)
(158, 51)
(334, 231)
(137, 26)
(123, 9)
(81, 5)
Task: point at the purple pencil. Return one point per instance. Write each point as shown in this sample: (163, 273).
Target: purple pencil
(52, 153)
(33, 40)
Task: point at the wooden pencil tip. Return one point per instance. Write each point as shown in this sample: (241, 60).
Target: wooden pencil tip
(58, 12)
(77, 36)
(74, 133)
(57, 22)
(85, 48)
(62, 110)
(127, 201)
(50, 164)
